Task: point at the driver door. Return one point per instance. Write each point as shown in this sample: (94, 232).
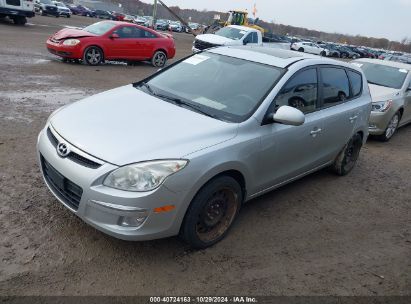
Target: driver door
(290, 151)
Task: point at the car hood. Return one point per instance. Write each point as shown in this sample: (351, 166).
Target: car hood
(381, 93)
(214, 39)
(126, 125)
(71, 33)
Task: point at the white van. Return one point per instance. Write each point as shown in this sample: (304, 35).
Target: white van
(17, 10)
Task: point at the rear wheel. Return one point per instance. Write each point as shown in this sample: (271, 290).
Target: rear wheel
(323, 54)
(159, 59)
(93, 55)
(354, 56)
(391, 128)
(212, 212)
(301, 50)
(347, 158)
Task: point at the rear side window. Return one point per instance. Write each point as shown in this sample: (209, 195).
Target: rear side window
(356, 83)
(300, 92)
(336, 87)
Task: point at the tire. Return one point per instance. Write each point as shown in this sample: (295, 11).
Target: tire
(93, 56)
(301, 50)
(391, 128)
(323, 54)
(212, 212)
(347, 158)
(19, 20)
(354, 56)
(41, 12)
(343, 55)
(68, 16)
(159, 59)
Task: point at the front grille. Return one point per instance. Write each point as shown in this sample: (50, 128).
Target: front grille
(77, 158)
(65, 189)
(202, 45)
(52, 8)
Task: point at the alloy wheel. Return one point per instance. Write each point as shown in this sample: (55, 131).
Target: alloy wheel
(93, 56)
(159, 59)
(392, 126)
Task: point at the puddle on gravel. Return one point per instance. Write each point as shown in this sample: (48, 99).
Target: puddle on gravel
(20, 106)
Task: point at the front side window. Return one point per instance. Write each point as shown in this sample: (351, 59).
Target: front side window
(336, 87)
(224, 87)
(300, 92)
(128, 32)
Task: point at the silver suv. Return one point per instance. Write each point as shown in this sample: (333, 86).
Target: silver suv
(181, 151)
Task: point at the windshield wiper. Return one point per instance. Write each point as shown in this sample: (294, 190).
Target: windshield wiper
(180, 102)
(177, 101)
(379, 84)
(148, 87)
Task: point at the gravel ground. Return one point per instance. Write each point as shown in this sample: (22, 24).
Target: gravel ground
(322, 235)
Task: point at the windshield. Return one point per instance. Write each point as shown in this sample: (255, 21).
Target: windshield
(99, 28)
(226, 88)
(230, 32)
(60, 4)
(46, 2)
(383, 75)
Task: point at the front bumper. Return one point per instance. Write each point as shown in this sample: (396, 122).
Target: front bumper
(103, 207)
(15, 12)
(56, 48)
(379, 121)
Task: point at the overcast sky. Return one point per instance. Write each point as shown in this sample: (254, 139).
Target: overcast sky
(377, 18)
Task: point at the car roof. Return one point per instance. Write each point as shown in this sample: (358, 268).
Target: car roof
(393, 64)
(268, 55)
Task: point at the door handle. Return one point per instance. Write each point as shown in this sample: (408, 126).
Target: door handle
(352, 118)
(315, 132)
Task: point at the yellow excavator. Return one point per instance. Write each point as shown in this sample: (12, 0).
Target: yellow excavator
(239, 17)
(235, 17)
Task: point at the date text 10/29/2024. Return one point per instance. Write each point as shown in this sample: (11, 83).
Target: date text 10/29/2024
(205, 299)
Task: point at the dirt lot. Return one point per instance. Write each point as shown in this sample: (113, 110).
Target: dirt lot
(322, 235)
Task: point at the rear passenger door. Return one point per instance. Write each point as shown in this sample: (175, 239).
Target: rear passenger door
(342, 105)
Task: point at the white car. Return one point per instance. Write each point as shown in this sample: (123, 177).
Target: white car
(309, 47)
(18, 10)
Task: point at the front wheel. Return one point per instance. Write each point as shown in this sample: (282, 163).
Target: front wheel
(323, 54)
(93, 56)
(391, 128)
(159, 59)
(347, 158)
(19, 20)
(212, 212)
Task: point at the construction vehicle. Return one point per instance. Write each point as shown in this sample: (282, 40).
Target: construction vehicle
(236, 17)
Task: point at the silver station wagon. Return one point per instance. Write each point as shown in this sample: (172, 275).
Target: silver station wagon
(179, 152)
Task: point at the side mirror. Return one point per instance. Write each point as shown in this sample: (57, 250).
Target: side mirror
(289, 116)
(114, 36)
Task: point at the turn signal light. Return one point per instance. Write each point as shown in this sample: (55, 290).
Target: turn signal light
(166, 208)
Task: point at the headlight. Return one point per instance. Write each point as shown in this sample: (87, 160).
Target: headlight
(145, 176)
(381, 106)
(71, 42)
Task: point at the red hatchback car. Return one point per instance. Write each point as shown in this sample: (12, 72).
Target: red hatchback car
(112, 40)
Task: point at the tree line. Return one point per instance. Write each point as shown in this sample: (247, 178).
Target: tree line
(206, 17)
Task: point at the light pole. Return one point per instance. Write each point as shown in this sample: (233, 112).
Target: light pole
(154, 14)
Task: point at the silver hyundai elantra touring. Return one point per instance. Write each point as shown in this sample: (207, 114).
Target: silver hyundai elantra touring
(179, 152)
